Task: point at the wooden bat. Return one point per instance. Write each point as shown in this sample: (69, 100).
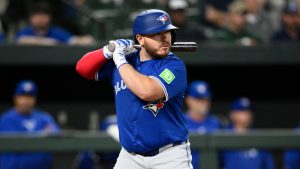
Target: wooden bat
(176, 47)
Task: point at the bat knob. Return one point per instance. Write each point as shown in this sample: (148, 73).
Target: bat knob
(111, 47)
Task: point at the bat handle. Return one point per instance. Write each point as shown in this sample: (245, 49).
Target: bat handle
(111, 47)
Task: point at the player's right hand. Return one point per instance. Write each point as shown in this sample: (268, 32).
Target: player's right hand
(119, 43)
(122, 47)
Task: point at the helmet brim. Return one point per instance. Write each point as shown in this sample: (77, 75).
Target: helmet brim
(161, 29)
(169, 27)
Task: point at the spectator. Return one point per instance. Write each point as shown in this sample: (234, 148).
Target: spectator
(260, 18)
(241, 118)
(198, 118)
(292, 158)
(41, 32)
(188, 30)
(236, 32)
(290, 31)
(215, 13)
(24, 118)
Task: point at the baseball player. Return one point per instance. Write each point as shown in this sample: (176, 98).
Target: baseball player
(149, 89)
(241, 118)
(24, 118)
(292, 157)
(198, 118)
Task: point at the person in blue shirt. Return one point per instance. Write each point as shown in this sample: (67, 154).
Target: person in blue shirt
(24, 118)
(198, 118)
(252, 158)
(292, 157)
(41, 32)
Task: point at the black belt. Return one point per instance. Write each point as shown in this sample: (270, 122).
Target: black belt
(159, 150)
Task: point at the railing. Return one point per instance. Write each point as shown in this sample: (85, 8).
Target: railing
(206, 55)
(208, 144)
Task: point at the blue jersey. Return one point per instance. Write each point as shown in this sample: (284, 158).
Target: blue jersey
(210, 124)
(146, 126)
(292, 158)
(247, 158)
(13, 122)
(56, 33)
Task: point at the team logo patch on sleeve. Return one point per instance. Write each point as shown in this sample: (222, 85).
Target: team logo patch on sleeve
(167, 75)
(154, 107)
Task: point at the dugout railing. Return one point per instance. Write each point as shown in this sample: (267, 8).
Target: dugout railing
(208, 144)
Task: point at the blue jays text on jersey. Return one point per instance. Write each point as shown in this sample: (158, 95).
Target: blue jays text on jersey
(37, 121)
(146, 126)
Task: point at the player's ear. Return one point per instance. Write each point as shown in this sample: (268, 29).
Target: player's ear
(140, 39)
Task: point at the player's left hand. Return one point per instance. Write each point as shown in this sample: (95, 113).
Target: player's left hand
(123, 47)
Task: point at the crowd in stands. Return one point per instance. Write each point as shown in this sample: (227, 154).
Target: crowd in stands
(244, 22)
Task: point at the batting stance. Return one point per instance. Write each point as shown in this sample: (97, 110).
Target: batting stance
(149, 88)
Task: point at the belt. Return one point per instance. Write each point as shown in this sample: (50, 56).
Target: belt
(159, 150)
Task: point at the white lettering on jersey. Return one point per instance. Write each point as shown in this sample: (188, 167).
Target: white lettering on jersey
(120, 86)
(251, 153)
(29, 124)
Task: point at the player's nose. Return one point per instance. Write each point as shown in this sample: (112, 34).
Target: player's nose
(163, 35)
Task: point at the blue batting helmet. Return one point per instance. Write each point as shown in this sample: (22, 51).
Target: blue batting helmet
(199, 89)
(153, 21)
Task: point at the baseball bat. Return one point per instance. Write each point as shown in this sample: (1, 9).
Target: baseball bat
(176, 47)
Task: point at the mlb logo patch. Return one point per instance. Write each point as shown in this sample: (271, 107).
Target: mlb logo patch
(163, 18)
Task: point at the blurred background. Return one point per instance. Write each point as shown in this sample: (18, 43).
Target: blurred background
(247, 49)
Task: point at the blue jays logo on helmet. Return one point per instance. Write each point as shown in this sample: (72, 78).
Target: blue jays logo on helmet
(163, 18)
(154, 107)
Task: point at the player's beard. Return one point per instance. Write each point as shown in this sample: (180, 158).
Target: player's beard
(153, 52)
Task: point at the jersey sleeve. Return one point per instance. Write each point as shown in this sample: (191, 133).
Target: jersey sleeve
(106, 71)
(50, 124)
(171, 75)
(6, 125)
